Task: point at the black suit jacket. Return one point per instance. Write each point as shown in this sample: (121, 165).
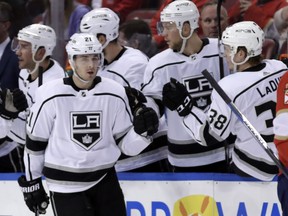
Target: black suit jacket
(9, 70)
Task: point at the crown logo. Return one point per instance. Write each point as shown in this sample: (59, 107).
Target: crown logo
(87, 139)
(201, 102)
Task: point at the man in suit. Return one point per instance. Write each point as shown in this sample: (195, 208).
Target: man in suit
(9, 69)
(10, 153)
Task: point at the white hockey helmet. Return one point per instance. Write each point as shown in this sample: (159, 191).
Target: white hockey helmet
(246, 34)
(83, 44)
(101, 21)
(39, 36)
(179, 12)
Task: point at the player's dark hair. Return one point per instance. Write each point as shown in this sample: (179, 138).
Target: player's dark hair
(113, 41)
(252, 60)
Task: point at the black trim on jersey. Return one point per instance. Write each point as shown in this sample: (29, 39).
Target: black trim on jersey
(272, 74)
(205, 41)
(48, 99)
(69, 81)
(51, 63)
(60, 175)
(256, 68)
(193, 148)
(29, 165)
(72, 95)
(173, 63)
(117, 96)
(16, 135)
(35, 145)
(122, 77)
(117, 57)
(264, 167)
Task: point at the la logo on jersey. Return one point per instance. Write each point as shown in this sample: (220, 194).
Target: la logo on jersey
(86, 128)
(199, 88)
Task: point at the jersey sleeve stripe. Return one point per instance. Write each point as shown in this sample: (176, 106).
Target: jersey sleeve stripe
(34, 145)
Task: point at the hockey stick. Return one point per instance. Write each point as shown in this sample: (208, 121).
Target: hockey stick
(219, 5)
(246, 123)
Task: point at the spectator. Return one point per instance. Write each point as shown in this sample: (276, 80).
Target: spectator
(126, 66)
(254, 96)
(209, 19)
(77, 128)
(187, 56)
(137, 34)
(281, 140)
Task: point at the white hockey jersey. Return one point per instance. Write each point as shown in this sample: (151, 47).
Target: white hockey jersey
(55, 71)
(127, 68)
(75, 136)
(254, 92)
(183, 150)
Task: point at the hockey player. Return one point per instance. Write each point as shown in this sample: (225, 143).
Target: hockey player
(252, 89)
(34, 46)
(126, 66)
(186, 58)
(77, 128)
(281, 139)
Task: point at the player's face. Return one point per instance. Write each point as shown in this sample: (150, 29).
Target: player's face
(87, 66)
(24, 53)
(209, 21)
(171, 35)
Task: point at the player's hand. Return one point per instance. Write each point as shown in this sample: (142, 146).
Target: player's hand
(136, 99)
(11, 103)
(176, 97)
(145, 121)
(34, 194)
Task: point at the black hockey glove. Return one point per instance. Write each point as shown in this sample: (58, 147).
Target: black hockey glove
(176, 97)
(136, 99)
(34, 194)
(11, 103)
(145, 121)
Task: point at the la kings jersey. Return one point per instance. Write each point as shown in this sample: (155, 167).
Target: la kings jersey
(54, 71)
(75, 136)
(254, 92)
(127, 68)
(183, 150)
